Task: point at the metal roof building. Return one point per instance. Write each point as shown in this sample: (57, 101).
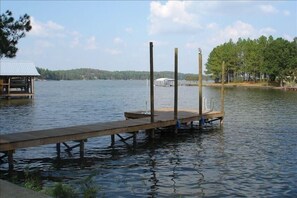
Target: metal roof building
(17, 79)
(18, 69)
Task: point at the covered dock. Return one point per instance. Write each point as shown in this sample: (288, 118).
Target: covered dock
(17, 79)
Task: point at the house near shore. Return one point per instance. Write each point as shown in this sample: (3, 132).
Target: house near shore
(17, 79)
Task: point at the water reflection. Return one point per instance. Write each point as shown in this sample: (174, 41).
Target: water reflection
(16, 102)
(16, 114)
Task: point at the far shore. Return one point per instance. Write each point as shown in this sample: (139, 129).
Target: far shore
(248, 85)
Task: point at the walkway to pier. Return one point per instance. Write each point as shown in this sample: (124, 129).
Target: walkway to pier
(139, 121)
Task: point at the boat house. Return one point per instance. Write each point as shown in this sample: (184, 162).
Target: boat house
(17, 79)
(164, 82)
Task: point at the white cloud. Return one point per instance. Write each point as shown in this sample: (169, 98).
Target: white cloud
(288, 37)
(118, 40)
(286, 12)
(267, 31)
(113, 51)
(212, 26)
(192, 45)
(48, 29)
(43, 44)
(173, 16)
(269, 9)
(75, 39)
(74, 42)
(129, 30)
(237, 30)
(91, 43)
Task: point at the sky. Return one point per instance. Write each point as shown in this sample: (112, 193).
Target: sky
(115, 35)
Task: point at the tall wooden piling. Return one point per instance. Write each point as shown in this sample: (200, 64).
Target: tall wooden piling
(200, 85)
(152, 87)
(222, 91)
(175, 83)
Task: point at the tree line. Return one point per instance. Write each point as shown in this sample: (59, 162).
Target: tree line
(262, 59)
(94, 74)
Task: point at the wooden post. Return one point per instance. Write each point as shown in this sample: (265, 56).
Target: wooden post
(152, 87)
(10, 160)
(176, 87)
(175, 83)
(134, 139)
(32, 85)
(200, 85)
(58, 148)
(222, 91)
(8, 86)
(112, 139)
(81, 149)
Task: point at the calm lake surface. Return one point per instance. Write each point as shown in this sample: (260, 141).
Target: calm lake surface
(254, 154)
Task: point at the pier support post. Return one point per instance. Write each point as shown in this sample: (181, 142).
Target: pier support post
(200, 85)
(112, 140)
(176, 86)
(10, 160)
(58, 148)
(81, 149)
(134, 139)
(152, 131)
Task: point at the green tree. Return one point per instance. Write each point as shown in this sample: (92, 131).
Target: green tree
(278, 57)
(214, 62)
(11, 31)
(256, 59)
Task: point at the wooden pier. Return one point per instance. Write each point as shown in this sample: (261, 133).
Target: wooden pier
(134, 123)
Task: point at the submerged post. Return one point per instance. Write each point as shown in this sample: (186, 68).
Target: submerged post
(175, 83)
(10, 160)
(152, 86)
(222, 91)
(200, 86)
(81, 149)
(58, 148)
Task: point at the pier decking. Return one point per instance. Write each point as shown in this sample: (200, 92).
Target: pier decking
(137, 121)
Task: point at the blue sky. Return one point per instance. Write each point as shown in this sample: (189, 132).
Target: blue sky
(115, 35)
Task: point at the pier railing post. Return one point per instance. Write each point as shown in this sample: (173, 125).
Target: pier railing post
(152, 87)
(200, 85)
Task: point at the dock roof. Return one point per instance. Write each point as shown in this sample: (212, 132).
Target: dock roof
(18, 69)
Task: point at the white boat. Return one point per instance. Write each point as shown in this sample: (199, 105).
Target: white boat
(164, 82)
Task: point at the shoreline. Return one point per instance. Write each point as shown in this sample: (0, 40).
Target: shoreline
(250, 85)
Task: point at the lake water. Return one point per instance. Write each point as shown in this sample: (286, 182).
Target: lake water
(254, 154)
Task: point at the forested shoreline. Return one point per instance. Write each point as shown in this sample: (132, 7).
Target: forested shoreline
(94, 74)
(262, 59)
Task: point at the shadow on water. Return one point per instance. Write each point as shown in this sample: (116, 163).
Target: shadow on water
(16, 102)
